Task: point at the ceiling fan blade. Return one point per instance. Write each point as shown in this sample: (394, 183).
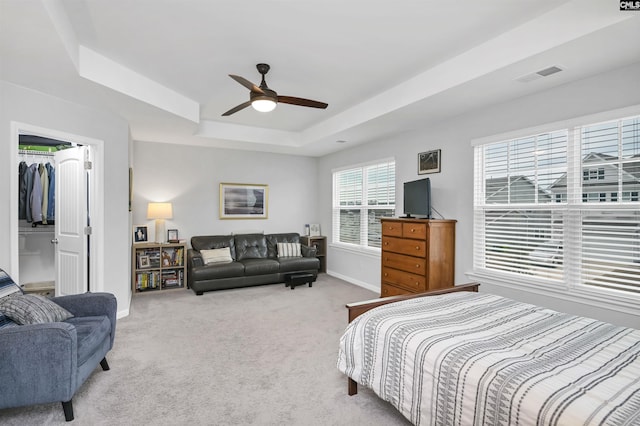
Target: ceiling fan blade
(237, 108)
(246, 83)
(302, 102)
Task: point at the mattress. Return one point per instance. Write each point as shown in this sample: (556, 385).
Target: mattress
(479, 359)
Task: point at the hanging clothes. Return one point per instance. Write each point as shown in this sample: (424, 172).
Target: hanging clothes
(36, 190)
(22, 191)
(44, 180)
(52, 190)
(36, 195)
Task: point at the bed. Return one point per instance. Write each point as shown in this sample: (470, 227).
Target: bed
(468, 358)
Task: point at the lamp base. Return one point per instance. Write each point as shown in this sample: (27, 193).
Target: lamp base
(161, 236)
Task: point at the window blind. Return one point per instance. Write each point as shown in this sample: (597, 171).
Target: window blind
(361, 195)
(561, 206)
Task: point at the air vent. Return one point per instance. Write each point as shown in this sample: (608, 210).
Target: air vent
(548, 71)
(539, 74)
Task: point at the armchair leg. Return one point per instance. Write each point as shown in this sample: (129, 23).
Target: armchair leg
(104, 364)
(68, 410)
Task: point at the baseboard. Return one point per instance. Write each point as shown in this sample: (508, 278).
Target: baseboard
(374, 288)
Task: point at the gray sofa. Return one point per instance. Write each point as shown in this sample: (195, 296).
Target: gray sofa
(254, 261)
(48, 362)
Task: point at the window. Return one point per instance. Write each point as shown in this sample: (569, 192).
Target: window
(361, 196)
(546, 207)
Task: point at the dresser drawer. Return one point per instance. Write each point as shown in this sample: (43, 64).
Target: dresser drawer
(403, 279)
(392, 229)
(411, 264)
(404, 246)
(389, 290)
(414, 230)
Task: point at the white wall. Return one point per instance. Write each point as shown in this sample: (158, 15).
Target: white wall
(453, 187)
(36, 109)
(189, 178)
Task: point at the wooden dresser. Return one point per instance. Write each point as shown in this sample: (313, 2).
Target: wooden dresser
(417, 255)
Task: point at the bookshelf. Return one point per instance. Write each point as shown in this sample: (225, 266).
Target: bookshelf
(320, 243)
(158, 267)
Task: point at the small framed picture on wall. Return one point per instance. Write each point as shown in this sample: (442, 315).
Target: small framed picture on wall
(429, 162)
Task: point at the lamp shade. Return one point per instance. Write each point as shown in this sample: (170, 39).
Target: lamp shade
(159, 211)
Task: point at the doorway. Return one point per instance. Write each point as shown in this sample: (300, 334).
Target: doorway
(93, 194)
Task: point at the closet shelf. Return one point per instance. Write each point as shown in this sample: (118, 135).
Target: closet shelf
(40, 229)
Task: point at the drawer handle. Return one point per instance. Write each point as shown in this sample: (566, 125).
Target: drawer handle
(413, 230)
(386, 243)
(417, 265)
(386, 275)
(417, 247)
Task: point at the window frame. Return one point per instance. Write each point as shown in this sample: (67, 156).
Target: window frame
(364, 207)
(624, 301)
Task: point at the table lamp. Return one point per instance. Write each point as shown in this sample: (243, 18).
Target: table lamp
(160, 212)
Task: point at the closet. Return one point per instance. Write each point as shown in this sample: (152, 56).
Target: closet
(36, 212)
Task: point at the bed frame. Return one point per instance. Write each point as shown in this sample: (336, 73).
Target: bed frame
(359, 308)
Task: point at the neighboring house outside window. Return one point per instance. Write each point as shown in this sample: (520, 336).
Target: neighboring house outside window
(562, 208)
(361, 196)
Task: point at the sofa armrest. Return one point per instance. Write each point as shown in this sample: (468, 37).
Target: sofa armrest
(91, 304)
(308, 251)
(39, 363)
(194, 258)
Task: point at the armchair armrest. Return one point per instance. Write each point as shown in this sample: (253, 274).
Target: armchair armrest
(91, 304)
(308, 251)
(39, 363)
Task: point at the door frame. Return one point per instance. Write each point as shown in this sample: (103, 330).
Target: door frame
(96, 198)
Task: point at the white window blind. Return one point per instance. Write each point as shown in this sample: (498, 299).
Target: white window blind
(361, 196)
(562, 207)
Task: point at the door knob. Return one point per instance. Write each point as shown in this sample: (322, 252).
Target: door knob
(54, 241)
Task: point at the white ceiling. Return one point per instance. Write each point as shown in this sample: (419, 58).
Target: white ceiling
(382, 66)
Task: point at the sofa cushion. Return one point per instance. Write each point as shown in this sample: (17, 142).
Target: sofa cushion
(251, 246)
(217, 270)
(293, 264)
(260, 266)
(208, 242)
(33, 309)
(90, 331)
(221, 255)
(274, 239)
(289, 250)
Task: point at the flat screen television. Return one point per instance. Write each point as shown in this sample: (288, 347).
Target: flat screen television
(417, 199)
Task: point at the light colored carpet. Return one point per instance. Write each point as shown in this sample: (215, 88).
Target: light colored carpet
(250, 356)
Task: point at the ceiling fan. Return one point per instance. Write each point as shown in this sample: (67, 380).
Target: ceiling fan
(263, 99)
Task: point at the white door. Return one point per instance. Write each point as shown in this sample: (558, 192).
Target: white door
(71, 221)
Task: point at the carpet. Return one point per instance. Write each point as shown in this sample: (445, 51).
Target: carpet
(250, 356)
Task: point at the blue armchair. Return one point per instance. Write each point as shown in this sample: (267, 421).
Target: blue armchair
(44, 363)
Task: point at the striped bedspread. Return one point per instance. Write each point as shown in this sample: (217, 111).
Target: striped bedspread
(479, 359)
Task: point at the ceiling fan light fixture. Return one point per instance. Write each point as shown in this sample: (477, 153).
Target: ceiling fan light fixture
(263, 104)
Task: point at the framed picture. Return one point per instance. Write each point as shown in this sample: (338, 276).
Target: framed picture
(243, 201)
(144, 262)
(314, 229)
(139, 234)
(429, 162)
(172, 236)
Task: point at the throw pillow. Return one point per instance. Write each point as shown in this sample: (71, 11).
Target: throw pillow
(289, 250)
(8, 288)
(221, 255)
(33, 309)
